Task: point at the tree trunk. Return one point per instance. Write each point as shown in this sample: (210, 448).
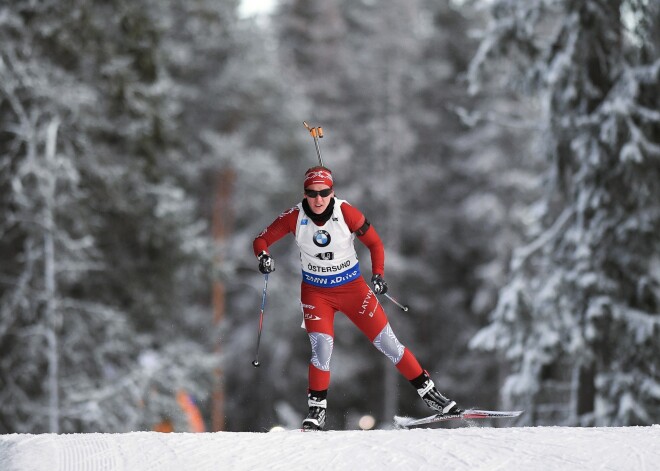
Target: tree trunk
(222, 223)
(50, 283)
(586, 389)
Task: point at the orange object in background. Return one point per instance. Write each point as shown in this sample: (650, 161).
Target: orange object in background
(195, 420)
(164, 426)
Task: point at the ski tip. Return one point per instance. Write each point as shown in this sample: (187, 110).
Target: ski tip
(490, 414)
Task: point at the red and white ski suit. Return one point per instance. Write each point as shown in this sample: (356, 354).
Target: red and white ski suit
(332, 282)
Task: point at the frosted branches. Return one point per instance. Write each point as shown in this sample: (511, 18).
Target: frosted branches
(576, 285)
(522, 254)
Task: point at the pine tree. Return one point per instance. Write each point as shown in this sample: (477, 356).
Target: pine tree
(102, 247)
(472, 177)
(578, 319)
(249, 130)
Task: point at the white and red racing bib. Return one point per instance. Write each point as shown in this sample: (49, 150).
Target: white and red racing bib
(327, 253)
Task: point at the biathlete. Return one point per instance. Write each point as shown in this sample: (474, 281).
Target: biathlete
(324, 228)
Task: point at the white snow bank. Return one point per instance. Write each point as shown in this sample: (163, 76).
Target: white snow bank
(529, 448)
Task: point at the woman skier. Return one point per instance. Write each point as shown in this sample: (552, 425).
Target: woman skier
(324, 228)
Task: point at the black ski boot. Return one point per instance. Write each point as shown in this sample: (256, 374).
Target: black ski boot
(432, 397)
(317, 402)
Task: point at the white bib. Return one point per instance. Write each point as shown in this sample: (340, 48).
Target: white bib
(327, 253)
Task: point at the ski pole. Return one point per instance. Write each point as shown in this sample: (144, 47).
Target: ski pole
(401, 306)
(255, 363)
(316, 133)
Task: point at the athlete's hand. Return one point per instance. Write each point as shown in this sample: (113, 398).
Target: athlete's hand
(380, 287)
(266, 263)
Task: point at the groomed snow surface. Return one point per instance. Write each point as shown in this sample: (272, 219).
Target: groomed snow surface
(473, 448)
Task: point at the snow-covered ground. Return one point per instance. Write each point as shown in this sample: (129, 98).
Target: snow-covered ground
(473, 448)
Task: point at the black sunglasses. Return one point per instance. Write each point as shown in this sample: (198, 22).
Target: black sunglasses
(323, 193)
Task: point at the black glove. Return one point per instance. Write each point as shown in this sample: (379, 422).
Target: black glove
(380, 287)
(266, 263)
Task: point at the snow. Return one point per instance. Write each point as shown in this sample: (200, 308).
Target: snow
(470, 448)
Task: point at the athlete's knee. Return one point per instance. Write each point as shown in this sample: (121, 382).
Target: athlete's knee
(321, 350)
(387, 343)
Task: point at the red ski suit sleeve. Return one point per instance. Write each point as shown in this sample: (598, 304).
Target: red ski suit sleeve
(286, 223)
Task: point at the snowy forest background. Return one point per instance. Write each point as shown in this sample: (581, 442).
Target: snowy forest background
(508, 153)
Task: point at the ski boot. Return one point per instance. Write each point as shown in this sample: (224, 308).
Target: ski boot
(315, 419)
(432, 397)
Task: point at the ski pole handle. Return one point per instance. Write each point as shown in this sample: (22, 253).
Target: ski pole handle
(317, 133)
(401, 306)
(256, 363)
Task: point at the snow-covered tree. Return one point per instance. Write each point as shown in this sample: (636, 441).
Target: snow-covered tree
(578, 320)
(472, 176)
(103, 250)
(258, 148)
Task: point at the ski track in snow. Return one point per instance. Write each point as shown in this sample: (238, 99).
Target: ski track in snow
(458, 449)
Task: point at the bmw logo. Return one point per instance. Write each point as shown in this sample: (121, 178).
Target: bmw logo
(322, 238)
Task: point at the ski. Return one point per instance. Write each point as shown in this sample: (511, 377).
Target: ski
(405, 422)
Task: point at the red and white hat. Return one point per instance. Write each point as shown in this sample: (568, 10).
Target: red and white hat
(318, 175)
